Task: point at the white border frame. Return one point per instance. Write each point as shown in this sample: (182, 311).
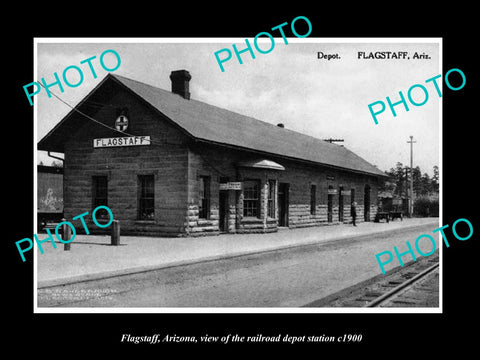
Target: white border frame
(256, 310)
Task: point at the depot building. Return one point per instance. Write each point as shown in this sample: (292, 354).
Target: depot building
(168, 165)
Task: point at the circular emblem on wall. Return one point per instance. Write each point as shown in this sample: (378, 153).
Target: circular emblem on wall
(121, 123)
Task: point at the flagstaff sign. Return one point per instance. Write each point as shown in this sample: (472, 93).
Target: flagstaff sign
(121, 141)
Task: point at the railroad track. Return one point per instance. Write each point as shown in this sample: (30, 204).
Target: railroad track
(414, 285)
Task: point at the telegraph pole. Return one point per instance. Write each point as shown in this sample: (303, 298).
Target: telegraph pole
(333, 140)
(410, 207)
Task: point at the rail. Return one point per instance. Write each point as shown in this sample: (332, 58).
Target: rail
(408, 283)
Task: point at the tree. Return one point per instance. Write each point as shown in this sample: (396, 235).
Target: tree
(435, 180)
(426, 185)
(398, 175)
(417, 180)
(399, 181)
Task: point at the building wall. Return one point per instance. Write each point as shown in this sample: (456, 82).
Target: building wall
(300, 177)
(217, 165)
(221, 164)
(176, 164)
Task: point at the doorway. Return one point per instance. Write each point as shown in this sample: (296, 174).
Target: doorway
(223, 210)
(340, 204)
(330, 204)
(283, 202)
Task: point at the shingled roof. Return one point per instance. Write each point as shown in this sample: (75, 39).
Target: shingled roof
(213, 124)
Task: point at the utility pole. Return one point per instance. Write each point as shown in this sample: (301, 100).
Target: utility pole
(333, 140)
(410, 207)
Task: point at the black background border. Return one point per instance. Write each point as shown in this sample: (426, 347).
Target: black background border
(72, 334)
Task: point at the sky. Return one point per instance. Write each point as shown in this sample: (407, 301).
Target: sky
(289, 85)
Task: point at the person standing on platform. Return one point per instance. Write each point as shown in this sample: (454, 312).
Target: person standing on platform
(354, 212)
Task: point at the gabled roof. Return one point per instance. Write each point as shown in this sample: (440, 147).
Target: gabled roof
(212, 124)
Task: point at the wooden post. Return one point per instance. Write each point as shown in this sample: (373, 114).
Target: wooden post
(66, 234)
(115, 237)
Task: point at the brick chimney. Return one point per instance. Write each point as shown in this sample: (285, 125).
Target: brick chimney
(180, 80)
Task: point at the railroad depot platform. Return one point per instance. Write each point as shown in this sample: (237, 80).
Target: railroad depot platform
(93, 257)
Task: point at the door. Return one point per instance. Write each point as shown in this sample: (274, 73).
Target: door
(366, 203)
(340, 204)
(223, 210)
(283, 190)
(330, 205)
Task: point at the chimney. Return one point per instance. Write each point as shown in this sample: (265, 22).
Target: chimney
(180, 79)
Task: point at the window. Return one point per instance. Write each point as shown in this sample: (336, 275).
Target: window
(271, 199)
(204, 197)
(99, 191)
(313, 199)
(146, 197)
(251, 198)
(100, 194)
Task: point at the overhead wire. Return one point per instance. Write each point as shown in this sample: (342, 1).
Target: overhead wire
(75, 108)
(89, 117)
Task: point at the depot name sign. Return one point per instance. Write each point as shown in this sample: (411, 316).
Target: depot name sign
(231, 186)
(121, 141)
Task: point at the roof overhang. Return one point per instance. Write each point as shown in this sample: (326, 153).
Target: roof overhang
(261, 164)
(196, 117)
